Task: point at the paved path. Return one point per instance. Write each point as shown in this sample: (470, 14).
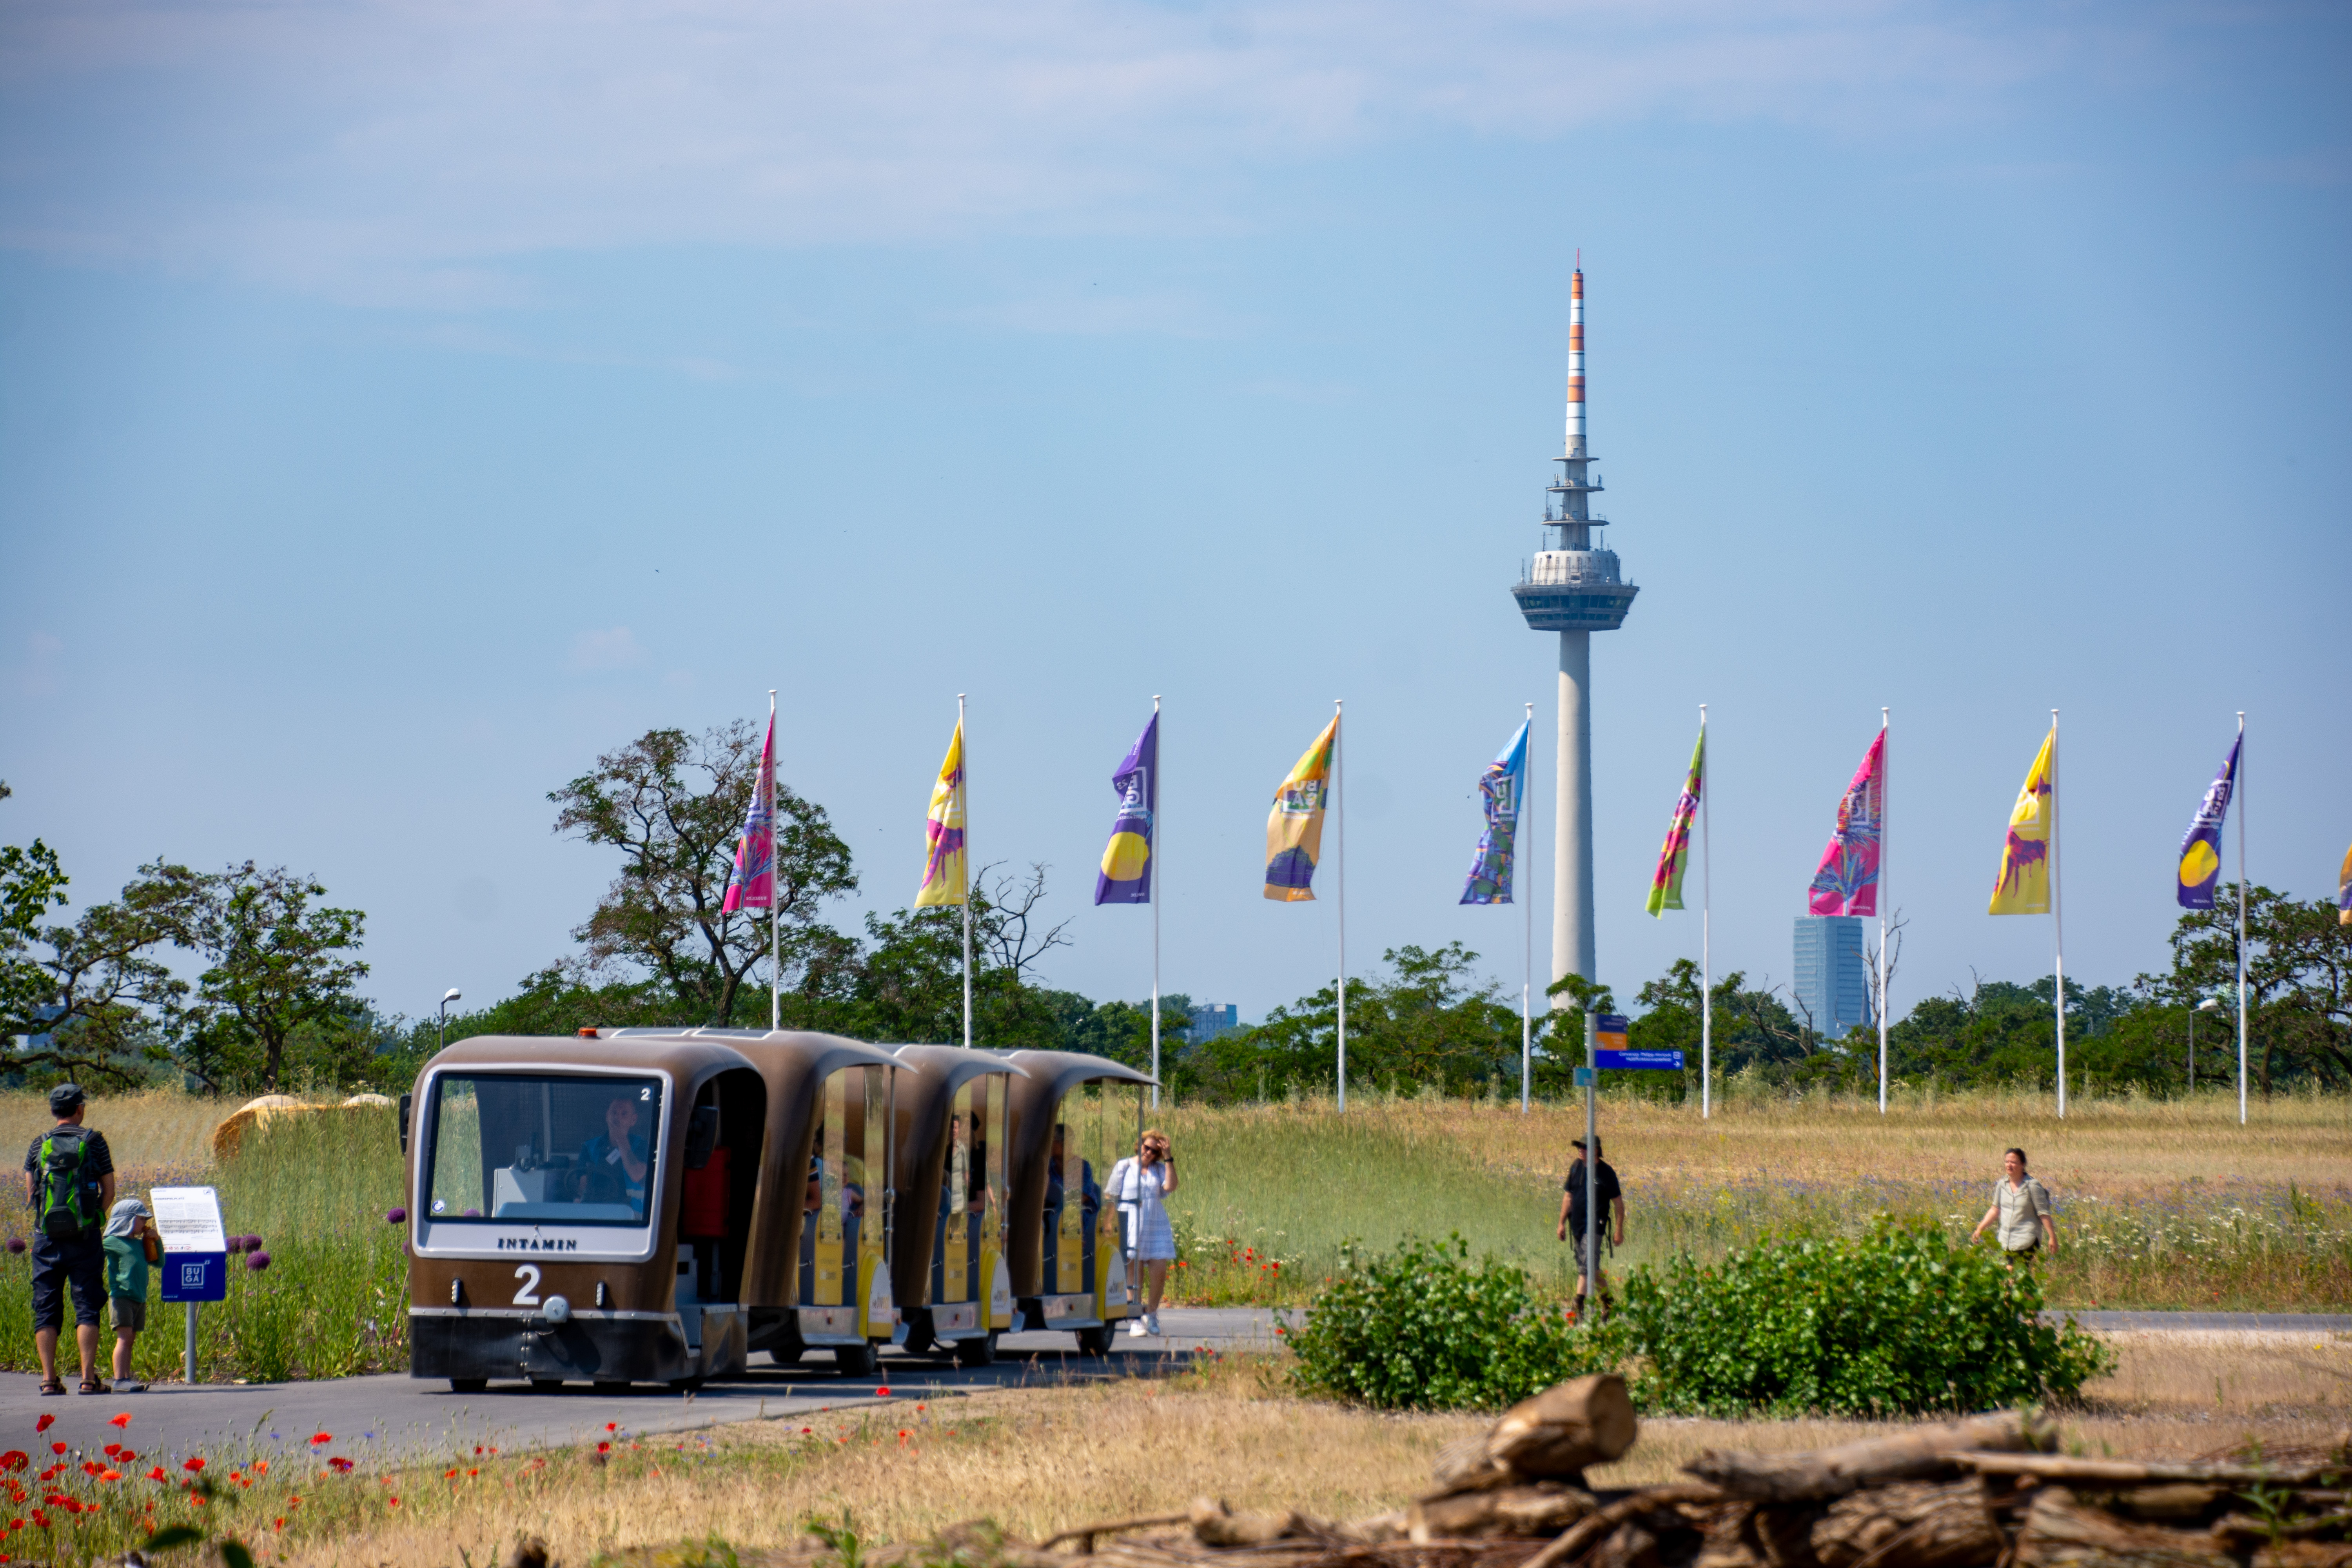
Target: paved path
(397, 1417)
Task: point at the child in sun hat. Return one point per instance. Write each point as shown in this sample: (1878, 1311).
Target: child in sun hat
(130, 1245)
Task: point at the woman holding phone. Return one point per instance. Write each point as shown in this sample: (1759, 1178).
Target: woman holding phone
(1138, 1184)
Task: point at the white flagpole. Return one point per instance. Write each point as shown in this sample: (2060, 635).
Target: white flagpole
(1528, 912)
(1338, 812)
(2239, 789)
(1151, 888)
(1705, 917)
(2057, 916)
(967, 872)
(775, 941)
(1884, 815)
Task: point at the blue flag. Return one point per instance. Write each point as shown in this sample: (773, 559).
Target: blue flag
(2200, 851)
(1502, 784)
(1126, 874)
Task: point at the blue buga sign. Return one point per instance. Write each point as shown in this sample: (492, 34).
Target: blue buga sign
(1660, 1061)
(194, 1276)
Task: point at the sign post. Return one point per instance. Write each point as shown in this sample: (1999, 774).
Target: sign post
(196, 1252)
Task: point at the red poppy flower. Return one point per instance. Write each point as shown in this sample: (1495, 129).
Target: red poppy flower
(156, 1474)
(125, 1455)
(395, 1503)
(45, 1423)
(109, 1474)
(612, 1426)
(883, 1391)
(14, 1459)
(122, 1420)
(57, 1448)
(193, 1465)
(320, 1439)
(604, 1447)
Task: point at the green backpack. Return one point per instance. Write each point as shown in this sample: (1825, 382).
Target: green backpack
(69, 1207)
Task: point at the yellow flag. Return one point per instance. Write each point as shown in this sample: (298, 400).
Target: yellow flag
(1294, 828)
(944, 869)
(2024, 885)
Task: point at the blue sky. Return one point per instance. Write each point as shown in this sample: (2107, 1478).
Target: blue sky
(400, 405)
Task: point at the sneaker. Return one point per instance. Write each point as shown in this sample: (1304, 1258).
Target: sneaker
(1135, 1329)
(1152, 1324)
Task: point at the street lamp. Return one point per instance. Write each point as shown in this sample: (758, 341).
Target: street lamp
(2211, 1004)
(453, 994)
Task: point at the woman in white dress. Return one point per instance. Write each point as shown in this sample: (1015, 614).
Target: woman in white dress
(1139, 1184)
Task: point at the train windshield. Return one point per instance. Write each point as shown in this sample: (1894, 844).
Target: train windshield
(568, 1150)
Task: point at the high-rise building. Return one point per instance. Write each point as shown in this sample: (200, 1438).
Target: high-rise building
(1572, 588)
(1210, 1019)
(1832, 979)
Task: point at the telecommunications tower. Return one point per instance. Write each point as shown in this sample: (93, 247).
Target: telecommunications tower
(1572, 588)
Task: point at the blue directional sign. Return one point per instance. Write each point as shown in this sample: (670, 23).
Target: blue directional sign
(194, 1276)
(1657, 1061)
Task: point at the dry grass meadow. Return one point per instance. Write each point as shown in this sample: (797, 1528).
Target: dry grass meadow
(1039, 1460)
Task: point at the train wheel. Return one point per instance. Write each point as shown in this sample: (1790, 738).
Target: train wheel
(980, 1351)
(468, 1385)
(853, 1361)
(1095, 1341)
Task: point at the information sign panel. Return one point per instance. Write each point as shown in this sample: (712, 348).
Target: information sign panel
(1659, 1061)
(195, 1248)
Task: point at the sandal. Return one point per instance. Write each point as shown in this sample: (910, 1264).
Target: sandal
(94, 1386)
(53, 1385)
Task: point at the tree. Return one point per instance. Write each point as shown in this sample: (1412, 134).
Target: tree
(2299, 1014)
(674, 807)
(276, 971)
(81, 989)
(907, 986)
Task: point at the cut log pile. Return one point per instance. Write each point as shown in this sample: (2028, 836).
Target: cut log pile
(1985, 1492)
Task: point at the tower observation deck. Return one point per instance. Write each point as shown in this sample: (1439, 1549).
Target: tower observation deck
(1573, 584)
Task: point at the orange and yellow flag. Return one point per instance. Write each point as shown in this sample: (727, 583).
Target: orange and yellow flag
(2024, 885)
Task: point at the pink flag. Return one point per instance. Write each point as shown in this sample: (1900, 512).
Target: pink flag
(1847, 881)
(752, 884)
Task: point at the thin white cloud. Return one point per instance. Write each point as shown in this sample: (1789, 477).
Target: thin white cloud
(394, 152)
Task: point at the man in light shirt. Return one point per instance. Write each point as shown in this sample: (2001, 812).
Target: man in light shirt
(2020, 1211)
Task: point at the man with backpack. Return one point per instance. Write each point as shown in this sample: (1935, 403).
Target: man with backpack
(69, 1178)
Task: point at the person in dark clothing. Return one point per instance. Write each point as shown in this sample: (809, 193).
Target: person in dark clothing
(78, 1263)
(1572, 1214)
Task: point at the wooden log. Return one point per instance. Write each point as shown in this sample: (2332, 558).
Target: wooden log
(1924, 1454)
(1085, 1534)
(1214, 1524)
(2062, 1531)
(1916, 1525)
(1545, 1508)
(1577, 1537)
(1584, 1421)
(2167, 1503)
(1464, 1465)
(2117, 1473)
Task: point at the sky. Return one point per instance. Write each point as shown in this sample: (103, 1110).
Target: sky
(401, 406)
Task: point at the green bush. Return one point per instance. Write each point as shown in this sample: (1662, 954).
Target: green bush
(1419, 1328)
(1894, 1321)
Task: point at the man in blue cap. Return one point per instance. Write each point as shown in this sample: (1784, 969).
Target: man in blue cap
(69, 1179)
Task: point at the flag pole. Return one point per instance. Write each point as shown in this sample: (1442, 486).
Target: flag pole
(775, 941)
(1338, 811)
(1528, 913)
(1705, 917)
(1884, 815)
(967, 872)
(1158, 847)
(2240, 792)
(2057, 916)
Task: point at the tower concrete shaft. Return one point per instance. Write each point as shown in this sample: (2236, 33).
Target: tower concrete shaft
(1573, 587)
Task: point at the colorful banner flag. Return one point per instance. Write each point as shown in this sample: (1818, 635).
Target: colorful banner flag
(2344, 892)
(752, 884)
(1846, 881)
(1126, 874)
(1667, 882)
(2200, 851)
(1502, 786)
(1293, 829)
(2024, 885)
(945, 873)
